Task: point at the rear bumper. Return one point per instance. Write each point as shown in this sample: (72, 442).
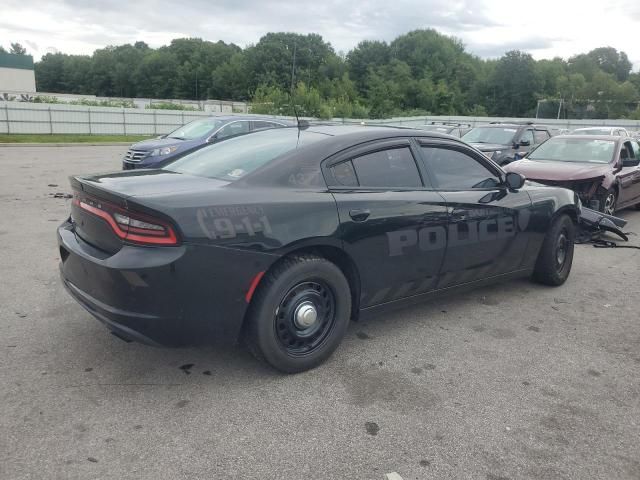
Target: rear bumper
(117, 321)
(161, 295)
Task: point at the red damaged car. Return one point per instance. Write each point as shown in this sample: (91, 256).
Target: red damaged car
(603, 170)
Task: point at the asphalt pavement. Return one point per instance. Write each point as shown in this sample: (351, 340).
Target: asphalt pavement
(515, 381)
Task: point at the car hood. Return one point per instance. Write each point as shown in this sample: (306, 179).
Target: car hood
(489, 147)
(148, 145)
(563, 171)
(146, 183)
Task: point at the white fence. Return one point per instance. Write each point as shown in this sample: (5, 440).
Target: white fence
(209, 106)
(22, 117)
(40, 118)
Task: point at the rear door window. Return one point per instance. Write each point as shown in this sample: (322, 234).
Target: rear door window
(233, 129)
(345, 174)
(261, 125)
(393, 168)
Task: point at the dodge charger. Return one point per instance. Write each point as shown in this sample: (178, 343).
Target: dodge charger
(281, 237)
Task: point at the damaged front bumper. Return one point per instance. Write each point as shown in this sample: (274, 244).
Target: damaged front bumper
(593, 224)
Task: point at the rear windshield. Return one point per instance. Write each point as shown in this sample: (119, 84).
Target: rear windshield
(233, 159)
(575, 150)
(499, 135)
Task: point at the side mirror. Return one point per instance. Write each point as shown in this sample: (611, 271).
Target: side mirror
(514, 181)
(630, 162)
(524, 143)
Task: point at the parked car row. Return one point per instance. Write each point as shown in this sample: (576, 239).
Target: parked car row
(601, 164)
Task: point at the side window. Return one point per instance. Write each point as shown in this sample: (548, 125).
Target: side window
(635, 149)
(527, 135)
(235, 128)
(454, 170)
(261, 125)
(345, 174)
(394, 168)
(540, 136)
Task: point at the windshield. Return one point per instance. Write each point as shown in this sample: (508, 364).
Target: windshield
(499, 135)
(196, 129)
(575, 150)
(593, 131)
(234, 158)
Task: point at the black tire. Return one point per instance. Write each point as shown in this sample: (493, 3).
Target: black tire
(609, 201)
(274, 333)
(556, 255)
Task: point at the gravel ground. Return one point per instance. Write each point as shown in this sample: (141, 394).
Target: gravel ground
(507, 382)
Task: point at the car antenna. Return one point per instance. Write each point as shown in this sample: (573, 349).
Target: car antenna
(302, 124)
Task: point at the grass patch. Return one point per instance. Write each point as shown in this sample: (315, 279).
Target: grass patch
(63, 138)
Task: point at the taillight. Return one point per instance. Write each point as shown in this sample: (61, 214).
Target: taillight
(129, 226)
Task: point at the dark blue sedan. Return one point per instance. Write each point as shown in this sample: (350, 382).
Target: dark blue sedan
(158, 151)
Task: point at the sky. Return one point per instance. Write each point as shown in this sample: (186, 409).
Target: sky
(488, 28)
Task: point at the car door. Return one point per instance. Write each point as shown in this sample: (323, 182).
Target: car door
(391, 224)
(628, 176)
(488, 231)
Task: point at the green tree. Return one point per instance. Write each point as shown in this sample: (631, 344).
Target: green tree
(609, 60)
(17, 49)
(366, 55)
(515, 82)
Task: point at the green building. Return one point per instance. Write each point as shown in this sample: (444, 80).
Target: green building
(17, 74)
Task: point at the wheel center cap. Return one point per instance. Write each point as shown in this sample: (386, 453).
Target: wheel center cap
(305, 315)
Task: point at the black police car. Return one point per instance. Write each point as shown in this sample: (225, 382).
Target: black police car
(282, 236)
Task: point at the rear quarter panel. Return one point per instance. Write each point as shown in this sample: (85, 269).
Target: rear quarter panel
(268, 220)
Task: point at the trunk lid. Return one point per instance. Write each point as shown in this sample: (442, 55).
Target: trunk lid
(125, 191)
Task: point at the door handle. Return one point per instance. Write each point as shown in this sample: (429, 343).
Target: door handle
(359, 215)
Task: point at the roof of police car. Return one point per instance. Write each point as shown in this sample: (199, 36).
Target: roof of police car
(370, 132)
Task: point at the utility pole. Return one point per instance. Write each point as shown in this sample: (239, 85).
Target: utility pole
(293, 67)
(560, 108)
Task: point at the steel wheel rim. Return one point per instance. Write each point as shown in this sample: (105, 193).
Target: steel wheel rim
(610, 204)
(295, 328)
(562, 249)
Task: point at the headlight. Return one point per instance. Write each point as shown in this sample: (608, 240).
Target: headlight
(163, 151)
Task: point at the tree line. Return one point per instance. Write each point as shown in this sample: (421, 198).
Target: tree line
(421, 72)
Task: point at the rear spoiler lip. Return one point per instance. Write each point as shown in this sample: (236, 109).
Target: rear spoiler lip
(127, 202)
(80, 183)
